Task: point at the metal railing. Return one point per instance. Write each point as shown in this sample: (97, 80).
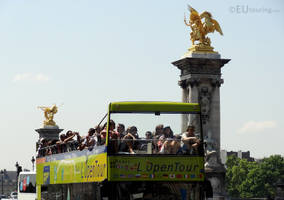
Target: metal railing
(169, 146)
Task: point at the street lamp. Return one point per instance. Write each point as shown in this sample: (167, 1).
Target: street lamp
(33, 161)
(19, 169)
(17, 165)
(2, 173)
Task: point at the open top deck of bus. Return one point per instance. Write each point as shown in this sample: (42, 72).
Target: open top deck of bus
(98, 164)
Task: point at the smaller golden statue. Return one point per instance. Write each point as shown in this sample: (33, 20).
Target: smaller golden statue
(49, 114)
(200, 29)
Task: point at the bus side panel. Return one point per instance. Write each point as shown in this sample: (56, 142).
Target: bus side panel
(87, 168)
(38, 192)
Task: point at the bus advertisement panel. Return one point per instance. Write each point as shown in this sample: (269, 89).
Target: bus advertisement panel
(142, 168)
(73, 167)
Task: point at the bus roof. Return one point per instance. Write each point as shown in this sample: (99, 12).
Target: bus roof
(147, 106)
(27, 172)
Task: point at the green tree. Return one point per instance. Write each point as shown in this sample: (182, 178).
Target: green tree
(231, 179)
(272, 170)
(251, 179)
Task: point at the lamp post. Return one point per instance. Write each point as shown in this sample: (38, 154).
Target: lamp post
(17, 165)
(33, 162)
(18, 171)
(2, 173)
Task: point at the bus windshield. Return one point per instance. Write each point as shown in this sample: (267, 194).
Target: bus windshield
(152, 133)
(27, 185)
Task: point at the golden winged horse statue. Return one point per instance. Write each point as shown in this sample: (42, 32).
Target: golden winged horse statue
(201, 25)
(49, 113)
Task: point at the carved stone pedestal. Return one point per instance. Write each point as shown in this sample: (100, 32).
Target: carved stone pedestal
(200, 80)
(215, 173)
(49, 132)
(217, 180)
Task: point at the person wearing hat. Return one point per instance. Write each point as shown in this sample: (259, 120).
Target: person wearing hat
(189, 140)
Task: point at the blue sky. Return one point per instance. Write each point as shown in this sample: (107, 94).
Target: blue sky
(86, 54)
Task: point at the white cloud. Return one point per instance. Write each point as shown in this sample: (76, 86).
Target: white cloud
(41, 77)
(30, 77)
(257, 127)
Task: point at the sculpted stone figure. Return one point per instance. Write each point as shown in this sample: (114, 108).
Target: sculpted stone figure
(49, 113)
(201, 25)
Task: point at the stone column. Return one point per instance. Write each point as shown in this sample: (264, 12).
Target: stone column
(214, 115)
(184, 96)
(189, 94)
(193, 97)
(201, 74)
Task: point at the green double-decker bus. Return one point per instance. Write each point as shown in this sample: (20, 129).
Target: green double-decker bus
(130, 165)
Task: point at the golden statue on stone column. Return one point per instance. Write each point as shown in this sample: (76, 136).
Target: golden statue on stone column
(201, 25)
(49, 113)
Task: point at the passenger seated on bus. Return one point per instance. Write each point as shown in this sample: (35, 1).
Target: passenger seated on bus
(69, 141)
(113, 138)
(158, 130)
(167, 132)
(80, 141)
(87, 142)
(144, 142)
(165, 146)
(133, 131)
(171, 146)
(102, 134)
(176, 145)
(113, 135)
(41, 151)
(62, 137)
(121, 130)
(98, 129)
(157, 134)
(49, 148)
(52, 147)
(112, 132)
(74, 143)
(190, 141)
(65, 140)
(160, 142)
(58, 147)
(148, 135)
(91, 139)
(127, 143)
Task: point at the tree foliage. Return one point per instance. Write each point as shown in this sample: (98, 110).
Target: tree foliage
(254, 179)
